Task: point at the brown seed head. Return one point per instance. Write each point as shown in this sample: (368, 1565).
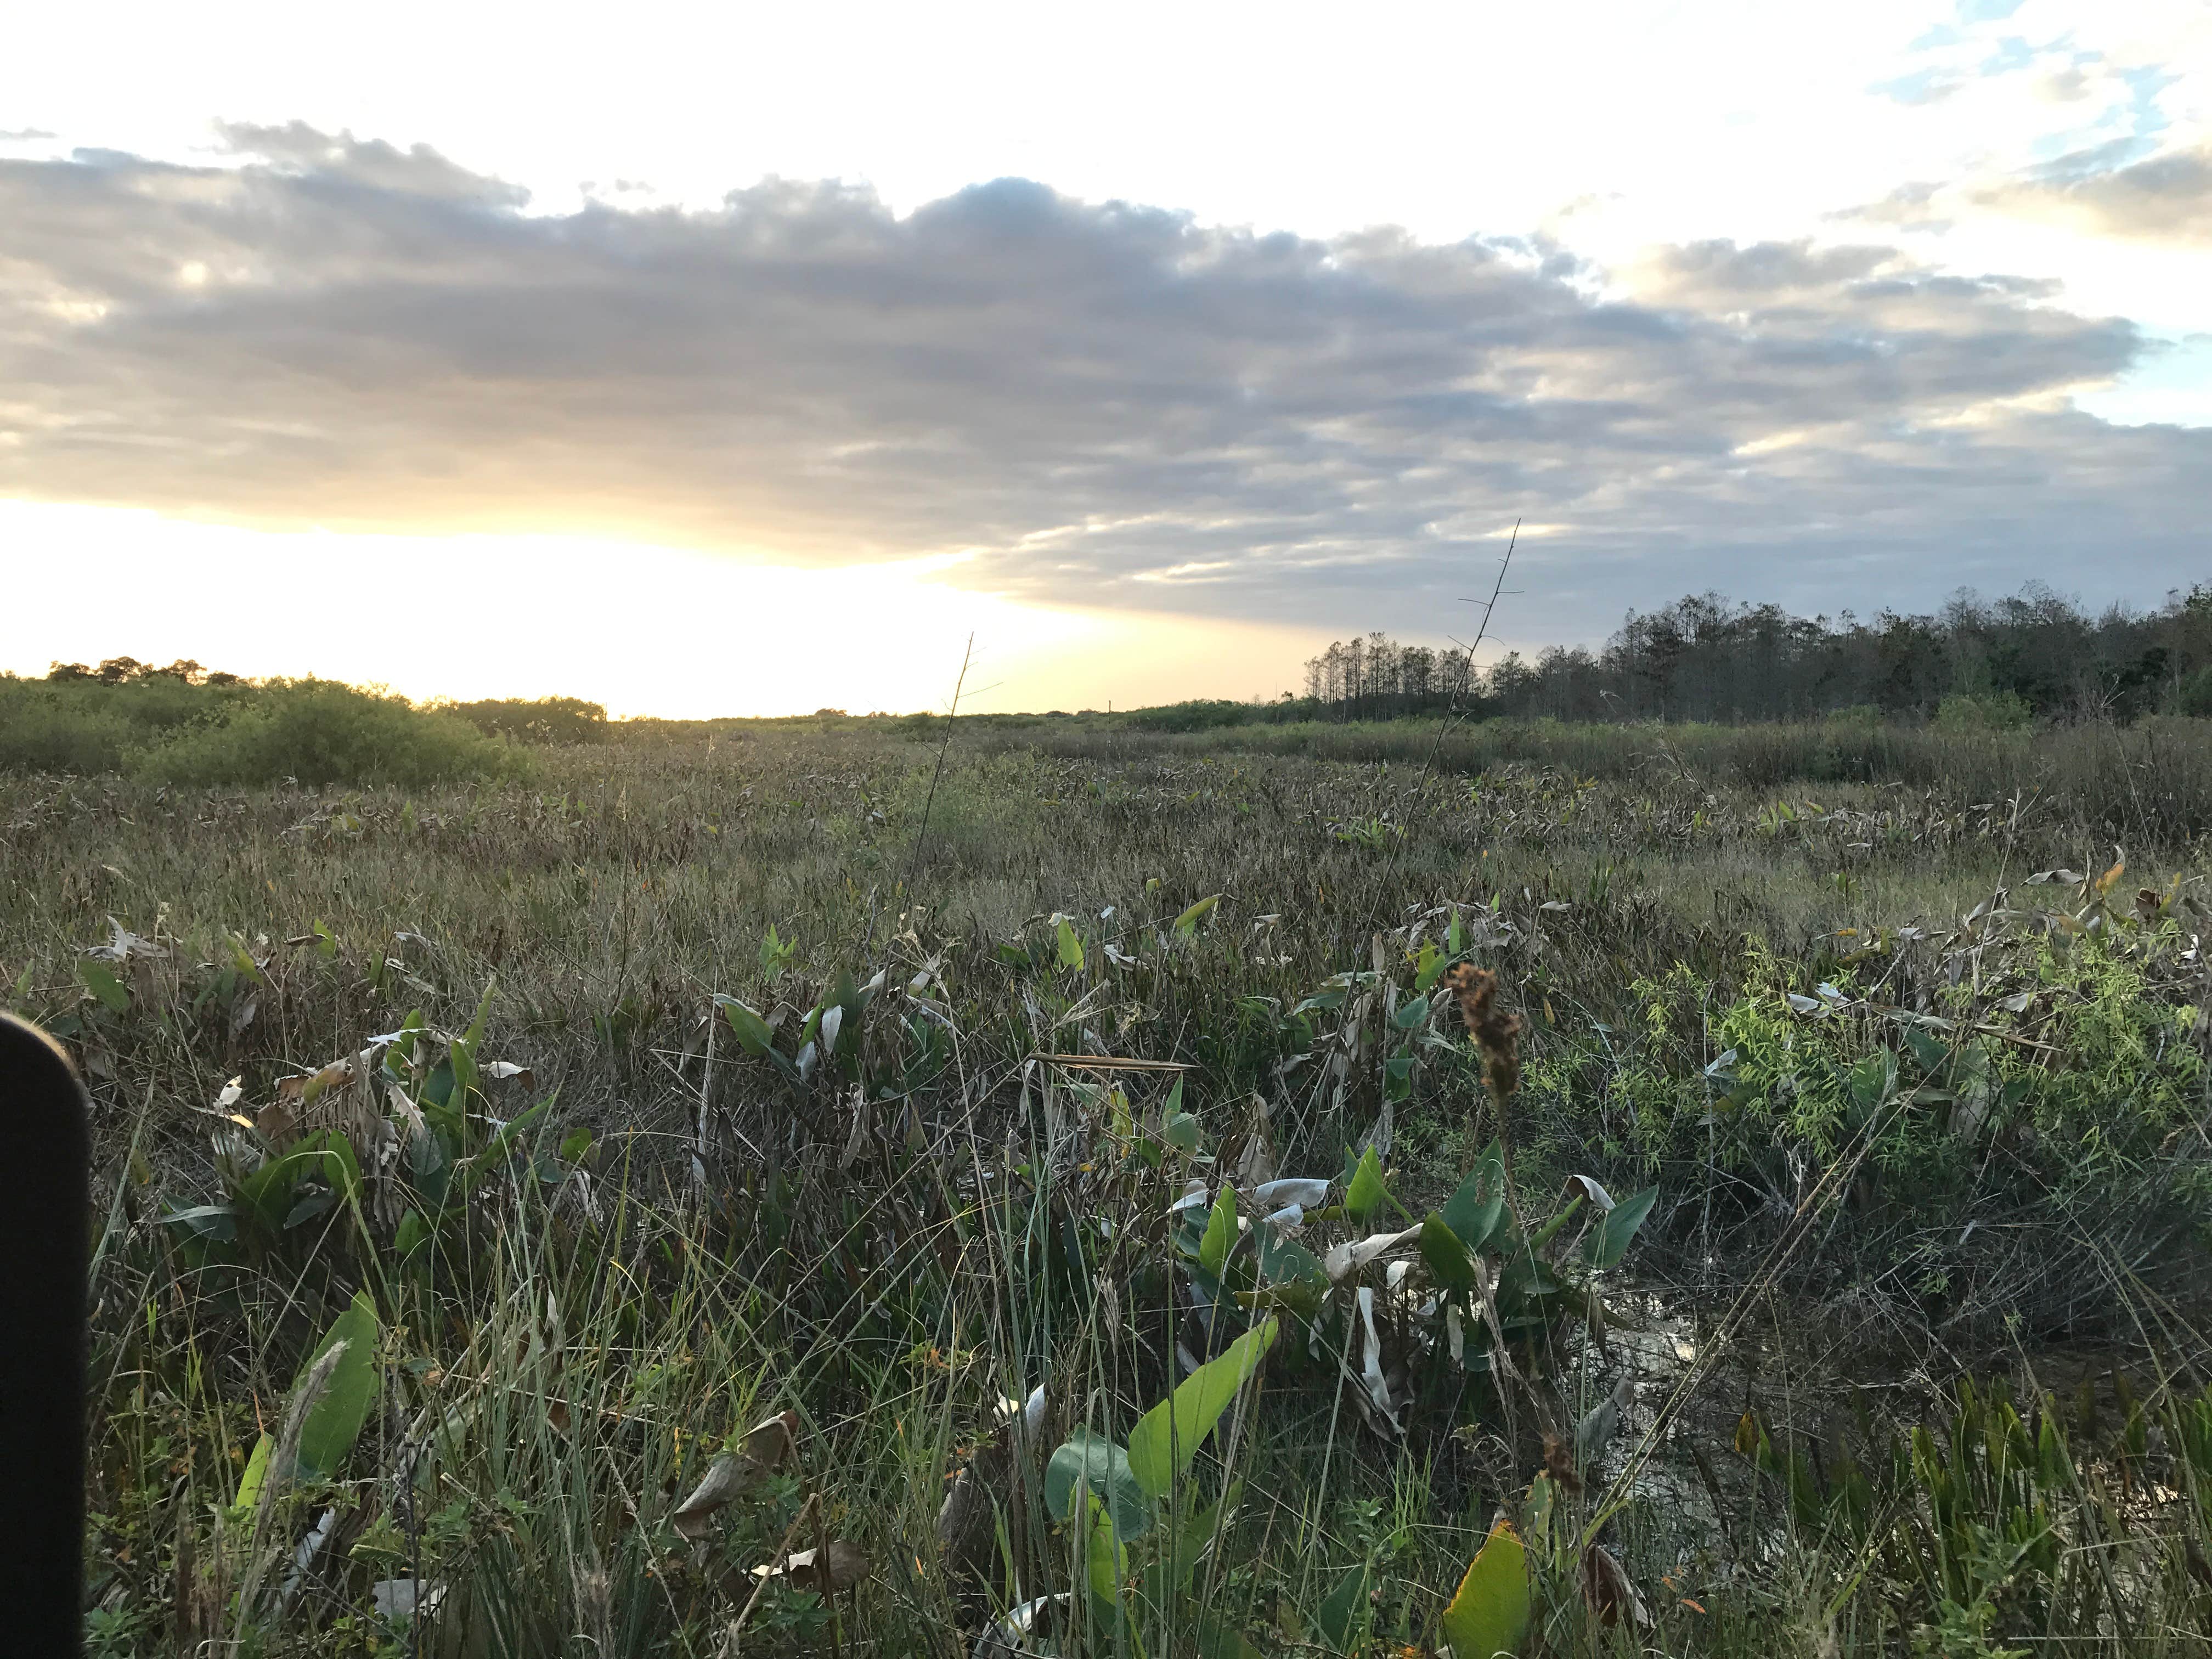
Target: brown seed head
(1494, 1031)
(1560, 1464)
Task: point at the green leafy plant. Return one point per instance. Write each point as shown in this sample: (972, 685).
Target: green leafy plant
(1118, 1495)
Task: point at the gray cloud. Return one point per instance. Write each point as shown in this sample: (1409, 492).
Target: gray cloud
(2164, 198)
(1102, 403)
(2105, 189)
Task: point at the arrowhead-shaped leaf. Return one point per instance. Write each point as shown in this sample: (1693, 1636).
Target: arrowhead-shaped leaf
(1490, 1614)
(1167, 1438)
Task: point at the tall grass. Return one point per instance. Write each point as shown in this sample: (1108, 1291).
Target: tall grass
(686, 1241)
(2151, 781)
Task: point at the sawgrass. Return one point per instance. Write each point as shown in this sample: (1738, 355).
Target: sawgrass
(737, 1255)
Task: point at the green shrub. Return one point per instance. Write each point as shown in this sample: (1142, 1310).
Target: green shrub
(171, 729)
(1984, 711)
(548, 720)
(47, 729)
(319, 732)
(2196, 693)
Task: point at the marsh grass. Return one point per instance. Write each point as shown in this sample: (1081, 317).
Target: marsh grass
(692, 1243)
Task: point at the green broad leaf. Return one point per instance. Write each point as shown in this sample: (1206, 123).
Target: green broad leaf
(1284, 1261)
(1186, 923)
(1546, 1233)
(1071, 948)
(1342, 1616)
(1220, 1235)
(314, 1204)
(412, 1233)
(1489, 1616)
(1474, 1210)
(575, 1144)
(482, 1021)
(1106, 1562)
(270, 1194)
(1124, 1127)
(211, 1221)
(1215, 1640)
(1431, 966)
(257, 1473)
(401, 1049)
(1179, 1128)
(438, 1092)
(1088, 1462)
(487, 1162)
(752, 1032)
(1608, 1240)
(845, 993)
(462, 1059)
(431, 1164)
(1411, 1013)
(101, 980)
(1185, 1540)
(1363, 1188)
(1931, 1051)
(1873, 1079)
(1167, 1438)
(1454, 935)
(335, 1420)
(1450, 1263)
(241, 960)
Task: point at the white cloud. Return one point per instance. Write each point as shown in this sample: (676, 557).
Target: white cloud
(1094, 404)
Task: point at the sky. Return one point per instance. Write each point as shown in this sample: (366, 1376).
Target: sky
(743, 359)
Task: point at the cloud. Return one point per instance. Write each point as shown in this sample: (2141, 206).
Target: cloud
(2165, 198)
(1092, 403)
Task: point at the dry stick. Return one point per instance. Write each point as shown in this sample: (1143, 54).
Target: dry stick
(1450, 723)
(1456, 716)
(1832, 1180)
(278, 1474)
(828, 1585)
(706, 1094)
(782, 1553)
(922, 832)
(414, 1550)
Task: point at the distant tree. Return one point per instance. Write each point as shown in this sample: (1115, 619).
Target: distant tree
(70, 670)
(119, 670)
(1707, 657)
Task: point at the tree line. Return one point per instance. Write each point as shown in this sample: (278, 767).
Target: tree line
(2034, 655)
(539, 719)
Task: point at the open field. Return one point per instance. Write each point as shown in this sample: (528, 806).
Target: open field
(734, 1093)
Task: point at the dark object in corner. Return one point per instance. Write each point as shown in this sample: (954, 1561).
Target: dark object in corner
(45, 1252)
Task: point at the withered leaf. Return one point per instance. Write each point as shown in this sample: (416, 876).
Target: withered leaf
(1607, 1591)
(767, 1446)
(836, 1566)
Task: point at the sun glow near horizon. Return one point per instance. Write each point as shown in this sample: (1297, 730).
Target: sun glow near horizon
(643, 629)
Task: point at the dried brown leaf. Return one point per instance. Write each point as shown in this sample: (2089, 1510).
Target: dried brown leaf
(836, 1566)
(1607, 1591)
(767, 1446)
